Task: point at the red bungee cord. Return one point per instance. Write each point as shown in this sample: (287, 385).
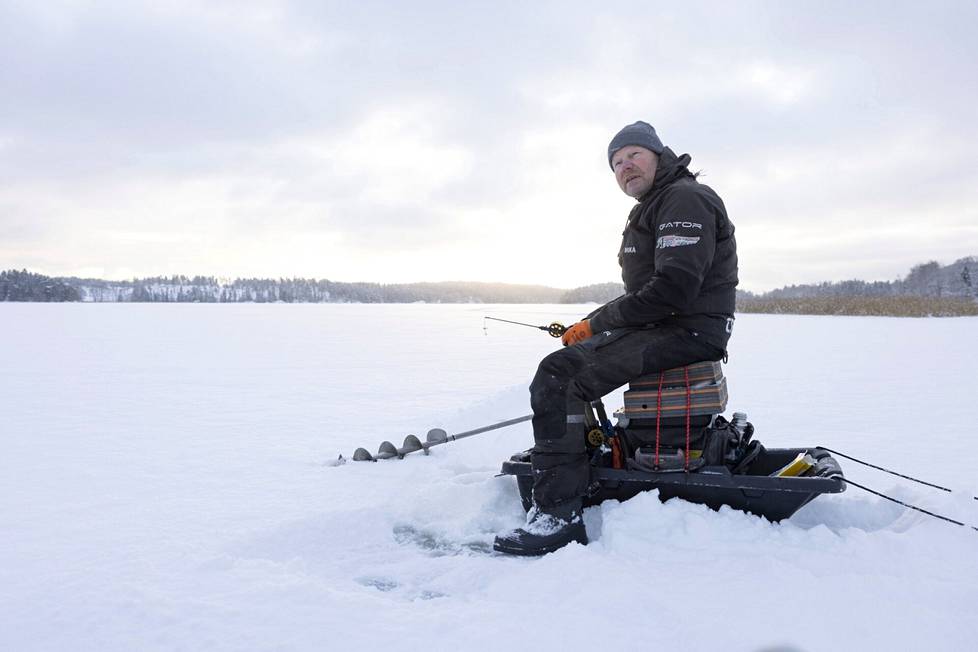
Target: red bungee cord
(688, 410)
(658, 416)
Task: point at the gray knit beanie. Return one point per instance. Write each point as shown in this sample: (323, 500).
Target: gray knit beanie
(639, 133)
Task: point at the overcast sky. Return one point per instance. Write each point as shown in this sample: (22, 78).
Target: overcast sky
(424, 141)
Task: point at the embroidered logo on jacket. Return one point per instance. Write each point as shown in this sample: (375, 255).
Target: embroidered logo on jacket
(667, 241)
(628, 250)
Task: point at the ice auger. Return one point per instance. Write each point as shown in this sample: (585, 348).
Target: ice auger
(435, 437)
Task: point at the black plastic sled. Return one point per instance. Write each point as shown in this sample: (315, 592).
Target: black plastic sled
(756, 491)
(670, 436)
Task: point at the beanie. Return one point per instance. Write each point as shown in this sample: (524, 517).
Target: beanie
(639, 133)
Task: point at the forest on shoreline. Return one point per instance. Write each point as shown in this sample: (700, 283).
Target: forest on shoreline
(929, 289)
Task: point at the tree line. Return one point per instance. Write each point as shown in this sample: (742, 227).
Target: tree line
(952, 284)
(959, 279)
(929, 289)
(26, 286)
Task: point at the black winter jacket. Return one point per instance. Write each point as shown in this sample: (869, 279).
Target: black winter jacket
(678, 258)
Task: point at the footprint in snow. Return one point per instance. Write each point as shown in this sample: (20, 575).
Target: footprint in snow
(436, 545)
(384, 584)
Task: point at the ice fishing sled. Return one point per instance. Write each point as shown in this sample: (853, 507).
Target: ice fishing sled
(670, 436)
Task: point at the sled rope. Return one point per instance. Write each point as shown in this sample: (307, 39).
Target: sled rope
(658, 416)
(900, 502)
(688, 408)
(880, 468)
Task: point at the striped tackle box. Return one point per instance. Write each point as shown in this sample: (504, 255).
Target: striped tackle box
(707, 393)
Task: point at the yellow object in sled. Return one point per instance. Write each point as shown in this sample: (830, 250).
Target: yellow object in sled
(801, 463)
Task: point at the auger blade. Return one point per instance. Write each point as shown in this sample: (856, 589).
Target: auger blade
(411, 444)
(363, 455)
(387, 450)
(436, 436)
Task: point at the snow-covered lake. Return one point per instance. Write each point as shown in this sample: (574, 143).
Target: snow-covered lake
(166, 484)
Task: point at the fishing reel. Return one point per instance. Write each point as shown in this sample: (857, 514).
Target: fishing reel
(600, 432)
(602, 438)
(556, 329)
(596, 438)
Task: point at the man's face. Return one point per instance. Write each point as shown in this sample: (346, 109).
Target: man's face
(634, 168)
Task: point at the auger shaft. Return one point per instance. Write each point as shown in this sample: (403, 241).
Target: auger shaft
(435, 437)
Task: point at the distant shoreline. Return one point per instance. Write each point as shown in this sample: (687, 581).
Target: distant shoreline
(856, 306)
(903, 307)
(929, 290)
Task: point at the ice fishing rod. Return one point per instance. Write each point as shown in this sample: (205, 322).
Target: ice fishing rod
(885, 470)
(908, 505)
(554, 329)
(435, 437)
(891, 498)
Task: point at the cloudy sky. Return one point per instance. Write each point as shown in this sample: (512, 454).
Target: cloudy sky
(423, 141)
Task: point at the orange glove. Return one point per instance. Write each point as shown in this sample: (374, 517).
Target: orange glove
(577, 333)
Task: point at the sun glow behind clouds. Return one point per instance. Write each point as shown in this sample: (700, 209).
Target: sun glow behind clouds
(372, 142)
(395, 155)
(779, 84)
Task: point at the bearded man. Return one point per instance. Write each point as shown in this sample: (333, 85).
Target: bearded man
(678, 260)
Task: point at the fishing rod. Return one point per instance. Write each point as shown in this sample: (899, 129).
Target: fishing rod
(555, 329)
(899, 475)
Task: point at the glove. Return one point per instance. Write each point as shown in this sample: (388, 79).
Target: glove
(577, 333)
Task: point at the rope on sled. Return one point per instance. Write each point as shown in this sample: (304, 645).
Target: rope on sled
(658, 416)
(689, 401)
(880, 468)
(900, 502)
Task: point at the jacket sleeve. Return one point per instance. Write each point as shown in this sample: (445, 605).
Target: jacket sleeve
(604, 307)
(685, 231)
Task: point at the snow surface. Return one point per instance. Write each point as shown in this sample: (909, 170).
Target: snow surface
(166, 483)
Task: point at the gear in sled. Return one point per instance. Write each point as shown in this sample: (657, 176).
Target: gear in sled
(670, 436)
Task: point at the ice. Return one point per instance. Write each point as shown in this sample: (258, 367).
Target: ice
(168, 482)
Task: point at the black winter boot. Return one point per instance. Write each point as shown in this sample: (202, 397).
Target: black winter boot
(545, 531)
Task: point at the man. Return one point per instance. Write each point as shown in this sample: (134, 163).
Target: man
(678, 259)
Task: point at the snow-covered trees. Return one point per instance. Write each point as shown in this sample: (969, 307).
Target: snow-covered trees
(25, 286)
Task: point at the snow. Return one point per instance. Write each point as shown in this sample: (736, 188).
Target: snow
(166, 483)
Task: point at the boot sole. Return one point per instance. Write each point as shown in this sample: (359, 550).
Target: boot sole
(505, 546)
